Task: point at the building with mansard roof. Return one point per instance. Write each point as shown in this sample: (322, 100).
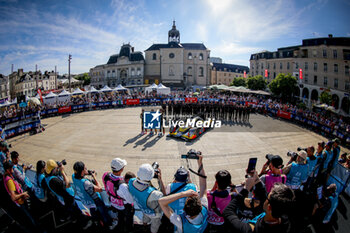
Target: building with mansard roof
(125, 68)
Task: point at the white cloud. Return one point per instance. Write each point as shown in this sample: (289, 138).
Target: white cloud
(231, 48)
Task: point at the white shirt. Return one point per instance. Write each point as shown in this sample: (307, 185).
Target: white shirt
(176, 219)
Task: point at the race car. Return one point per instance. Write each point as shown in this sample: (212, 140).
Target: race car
(188, 133)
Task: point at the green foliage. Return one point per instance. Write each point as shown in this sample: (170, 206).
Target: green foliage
(284, 86)
(326, 98)
(256, 83)
(301, 105)
(238, 82)
(85, 77)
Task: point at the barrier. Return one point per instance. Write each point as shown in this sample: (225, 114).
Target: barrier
(341, 177)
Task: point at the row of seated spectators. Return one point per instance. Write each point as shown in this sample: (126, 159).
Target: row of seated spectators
(267, 201)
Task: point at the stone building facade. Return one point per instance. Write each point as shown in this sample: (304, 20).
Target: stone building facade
(324, 63)
(125, 68)
(4, 88)
(177, 64)
(222, 73)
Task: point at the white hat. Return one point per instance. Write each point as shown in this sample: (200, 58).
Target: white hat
(303, 154)
(146, 172)
(117, 164)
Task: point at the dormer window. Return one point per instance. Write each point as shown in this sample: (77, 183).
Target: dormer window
(189, 56)
(201, 56)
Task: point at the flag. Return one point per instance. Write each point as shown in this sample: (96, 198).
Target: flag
(301, 73)
(40, 95)
(244, 74)
(266, 73)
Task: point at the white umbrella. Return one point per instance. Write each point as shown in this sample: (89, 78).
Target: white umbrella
(34, 101)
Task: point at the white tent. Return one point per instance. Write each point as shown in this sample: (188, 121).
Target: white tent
(77, 92)
(50, 98)
(5, 104)
(64, 96)
(120, 88)
(163, 89)
(92, 90)
(106, 89)
(151, 88)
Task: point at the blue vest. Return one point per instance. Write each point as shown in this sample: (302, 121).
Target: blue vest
(38, 190)
(297, 175)
(334, 205)
(329, 156)
(26, 179)
(141, 197)
(179, 204)
(312, 165)
(336, 152)
(81, 194)
(70, 190)
(189, 227)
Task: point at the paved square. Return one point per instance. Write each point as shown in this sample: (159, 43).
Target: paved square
(96, 137)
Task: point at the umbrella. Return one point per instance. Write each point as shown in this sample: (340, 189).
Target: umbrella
(34, 101)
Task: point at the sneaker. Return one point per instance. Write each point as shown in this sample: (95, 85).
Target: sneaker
(113, 225)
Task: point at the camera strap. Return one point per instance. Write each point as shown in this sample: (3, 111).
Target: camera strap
(196, 173)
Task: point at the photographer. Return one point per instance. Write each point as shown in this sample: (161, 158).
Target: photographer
(273, 220)
(311, 159)
(146, 196)
(194, 217)
(19, 172)
(326, 158)
(274, 174)
(58, 183)
(119, 195)
(87, 191)
(296, 171)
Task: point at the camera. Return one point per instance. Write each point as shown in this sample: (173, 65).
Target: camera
(155, 167)
(191, 154)
(63, 162)
(90, 172)
(300, 148)
(293, 155)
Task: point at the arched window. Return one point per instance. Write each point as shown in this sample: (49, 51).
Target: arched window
(132, 72)
(189, 70)
(138, 71)
(201, 56)
(171, 71)
(154, 57)
(189, 56)
(201, 71)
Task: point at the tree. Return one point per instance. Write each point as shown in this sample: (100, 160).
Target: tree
(85, 77)
(256, 83)
(238, 82)
(326, 98)
(284, 86)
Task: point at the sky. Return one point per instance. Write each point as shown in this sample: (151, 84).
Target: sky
(44, 32)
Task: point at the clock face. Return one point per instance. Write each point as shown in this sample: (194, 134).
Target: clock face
(171, 55)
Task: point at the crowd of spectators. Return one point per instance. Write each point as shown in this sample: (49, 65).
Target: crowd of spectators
(265, 201)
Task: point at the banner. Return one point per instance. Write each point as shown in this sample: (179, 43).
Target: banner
(249, 103)
(266, 73)
(244, 74)
(191, 100)
(40, 95)
(132, 101)
(301, 73)
(283, 114)
(64, 109)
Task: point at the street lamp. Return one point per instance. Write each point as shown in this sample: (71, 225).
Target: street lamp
(69, 59)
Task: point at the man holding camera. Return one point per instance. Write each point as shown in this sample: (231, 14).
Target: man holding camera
(19, 172)
(194, 217)
(58, 183)
(146, 196)
(274, 173)
(297, 171)
(88, 192)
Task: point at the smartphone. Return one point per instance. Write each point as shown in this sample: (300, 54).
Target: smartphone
(251, 164)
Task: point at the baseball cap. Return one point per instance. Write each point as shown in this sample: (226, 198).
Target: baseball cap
(275, 160)
(117, 164)
(181, 175)
(336, 140)
(302, 154)
(50, 165)
(145, 172)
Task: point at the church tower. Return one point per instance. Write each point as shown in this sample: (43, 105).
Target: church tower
(174, 34)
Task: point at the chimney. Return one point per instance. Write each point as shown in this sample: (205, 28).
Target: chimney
(132, 49)
(330, 35)
(20, 72)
